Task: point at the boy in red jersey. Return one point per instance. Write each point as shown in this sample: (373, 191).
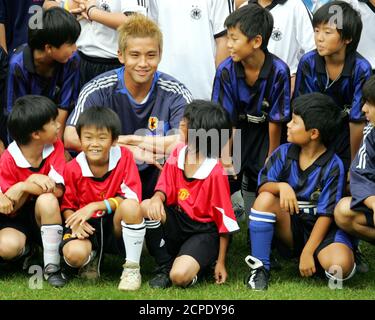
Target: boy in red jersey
(192, 197)
(101, 201)
(31, 181)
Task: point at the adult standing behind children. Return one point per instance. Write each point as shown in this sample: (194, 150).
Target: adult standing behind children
(98, 43)
(336, 69)
(48, 65)
(146, 100)
(253, 85)
(193, 55)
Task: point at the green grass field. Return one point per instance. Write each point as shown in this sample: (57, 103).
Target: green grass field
(285, 284)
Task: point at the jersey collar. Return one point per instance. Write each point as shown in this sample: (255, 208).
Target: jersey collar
(122, 88)
(264, 72)
(20, 159)
(348, 64)
(114, 158)
(294, 151)
(203, 171)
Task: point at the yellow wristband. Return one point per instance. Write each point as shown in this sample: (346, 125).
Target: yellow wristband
(115, 202)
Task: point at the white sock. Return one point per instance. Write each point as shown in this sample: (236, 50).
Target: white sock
(51, 237)
(133, 236)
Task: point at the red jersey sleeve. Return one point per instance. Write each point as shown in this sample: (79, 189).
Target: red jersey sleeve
(131, 186)
(70, 199)
(221, 208)
(57, 163)
(167, 180)
(8, 169)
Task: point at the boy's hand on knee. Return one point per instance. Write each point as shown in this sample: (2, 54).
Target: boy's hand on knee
(81, 216)
(307, 264)
(43, 181)
(82, 231)
(155, 210)
(288, 199)
(6, 205)
(220, 273)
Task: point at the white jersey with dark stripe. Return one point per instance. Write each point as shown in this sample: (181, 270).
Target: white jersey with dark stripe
(161, 110)
(367, 43)
(362, 170)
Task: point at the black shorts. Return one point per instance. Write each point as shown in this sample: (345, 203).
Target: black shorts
(103, 237)
(90, 67)
(24, 221)
(149, 177)
(185, 236)
(369, 214)
(302, 225)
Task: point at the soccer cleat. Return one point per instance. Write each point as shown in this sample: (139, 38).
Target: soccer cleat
(90, 271)
(131, 278)
(161, 279)
(259, 275)
(54, 276)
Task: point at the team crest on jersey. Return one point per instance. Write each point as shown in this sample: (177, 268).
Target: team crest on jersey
(196, 13)
(276, 35)
(183, 194)
(153, 123)
(105, 6)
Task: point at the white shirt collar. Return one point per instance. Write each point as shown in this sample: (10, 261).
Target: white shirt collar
(20, 159)
(203, 171)
(114, 158)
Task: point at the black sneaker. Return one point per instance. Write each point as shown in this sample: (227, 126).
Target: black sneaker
(259, 276)
(361, 261)
(161, 279)
(54, 276)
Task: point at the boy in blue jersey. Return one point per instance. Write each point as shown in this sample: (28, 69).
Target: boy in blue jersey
(355, 214)
(336, 69)
(298, 190)
(47, 65)
(149, 104)
(253, 85)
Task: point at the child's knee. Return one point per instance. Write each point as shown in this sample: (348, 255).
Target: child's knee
(76, 255)
(265, 201)
(131, 211)
(47, 202)
(180, 277)
(342, 213)
(11, 247)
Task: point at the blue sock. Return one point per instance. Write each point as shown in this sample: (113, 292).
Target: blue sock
(261, 226)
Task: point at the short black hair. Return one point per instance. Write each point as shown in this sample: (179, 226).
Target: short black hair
(368, 90)
(208, 118)
(319, 111)
(100, 117)
(29, 114)
(252, 20)
(58, 27)
(351, 27)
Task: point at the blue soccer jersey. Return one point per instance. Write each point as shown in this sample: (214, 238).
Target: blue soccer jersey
(362, 169)
(252, 107)
(161, 111)
(346, 90)
(62, 87)
(320, 186)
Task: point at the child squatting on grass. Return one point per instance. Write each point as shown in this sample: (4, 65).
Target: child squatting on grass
(101, 200)
(31, 182)
(192, 198)
(298, 189)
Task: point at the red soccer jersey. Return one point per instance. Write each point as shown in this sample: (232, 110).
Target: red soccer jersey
(15, 168)
(205, 197)
(82, 188)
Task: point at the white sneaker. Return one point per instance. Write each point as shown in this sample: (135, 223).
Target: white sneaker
(131, 278)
